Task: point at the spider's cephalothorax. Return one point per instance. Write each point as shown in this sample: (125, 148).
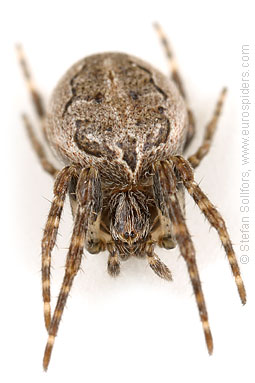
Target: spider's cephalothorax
(129, 221)
(121, 129)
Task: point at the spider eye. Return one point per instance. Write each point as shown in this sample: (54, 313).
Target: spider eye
(132, 234)
(126, 235)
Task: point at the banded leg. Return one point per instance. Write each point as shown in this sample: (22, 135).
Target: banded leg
(93, 244)
(157, 265)
(204, 148)
(113, 265)
(50, 234)
(74, 255)
(40, 111)
(38, 148)
(191, 130)
(213, 216)
(176, 77)
(171, 60)
(168, 184)
(36, 97)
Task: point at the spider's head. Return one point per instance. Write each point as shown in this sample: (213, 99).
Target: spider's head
(130, 218)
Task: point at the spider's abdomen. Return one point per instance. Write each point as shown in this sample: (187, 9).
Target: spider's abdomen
(117, 113)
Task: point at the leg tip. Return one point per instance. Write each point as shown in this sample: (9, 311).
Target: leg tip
(243, 297)
(208, 336)
(224, 90)
(241, 288)
(47, 352)
(113, 268)
(156, 25)
(160, 269)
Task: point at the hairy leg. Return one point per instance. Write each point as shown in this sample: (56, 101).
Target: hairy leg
(157, 265)
(168, 187)
(38, 148)
(204, 148)
(191, 129)
(213, 216)
(74, 255)
(94, 243)
(113, 265)
(50, 235)
(176, 77)
(40, 111)
(162, 223)
(35, 95)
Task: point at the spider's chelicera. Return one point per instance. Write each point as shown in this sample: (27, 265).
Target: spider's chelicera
(121, 129)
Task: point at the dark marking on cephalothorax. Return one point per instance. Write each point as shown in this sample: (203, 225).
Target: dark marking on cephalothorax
(84, 143)
(158, 88)
(99, 98)
(163, 133)
(133, 95)
(111, 76)
(83, 139)
(129, 151)
(73, 90)
(130, 157)
(152, 81)
(71, 99)
(153, 140)
(108, 152)
(89, 147)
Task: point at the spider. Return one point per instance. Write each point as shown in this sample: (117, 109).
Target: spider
(121, 128)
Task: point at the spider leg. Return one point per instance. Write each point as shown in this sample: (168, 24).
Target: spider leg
(165, 238)
(157, 265)
(95, 241)
(50, 234)
(213, 216)
(74, 256)
(168, 182)
(176, 77)
(113, 265)
(36, 97)
(38, 148)
(191, 129)
(40, 111)
(210, 129)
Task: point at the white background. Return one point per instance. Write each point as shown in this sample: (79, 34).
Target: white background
(136, 328)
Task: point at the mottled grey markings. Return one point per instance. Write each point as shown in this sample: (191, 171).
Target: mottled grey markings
(152, 81)
(158, 88)
(161, 138)
(73, 90)
(88, 146)
(163, 133)
(128, 148)
(111, 76)
(99, 98)
(133, 95)
(82, 138)
(161, 109)
(130, 157)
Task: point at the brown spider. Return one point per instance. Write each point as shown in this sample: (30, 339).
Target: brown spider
(120, 127)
